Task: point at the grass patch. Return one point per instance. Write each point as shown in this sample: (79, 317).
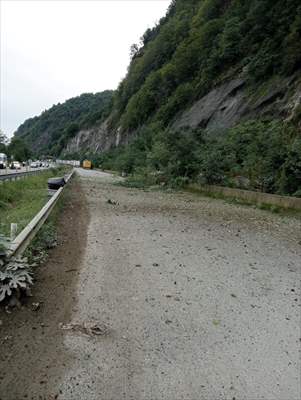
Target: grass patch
(21, 200)
(46, 238)
(142, 179)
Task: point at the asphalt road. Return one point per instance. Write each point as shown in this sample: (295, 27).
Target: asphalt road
(15, 171)
(194, 299)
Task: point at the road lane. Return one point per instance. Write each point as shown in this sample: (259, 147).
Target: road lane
(197, 299)
(8, 171)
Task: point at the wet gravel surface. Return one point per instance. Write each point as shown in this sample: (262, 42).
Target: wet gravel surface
(177, 296)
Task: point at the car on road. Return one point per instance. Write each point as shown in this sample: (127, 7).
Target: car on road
(34, 164)
(15, 165)
(3, 161)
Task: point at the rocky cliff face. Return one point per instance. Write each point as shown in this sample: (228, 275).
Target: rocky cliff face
(230, 103)
(97, 139)
(223, 107)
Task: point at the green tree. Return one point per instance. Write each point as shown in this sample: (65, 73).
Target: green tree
(3, 142)
(18, 150)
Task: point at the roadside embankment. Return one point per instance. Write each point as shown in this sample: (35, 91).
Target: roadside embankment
(249, 197)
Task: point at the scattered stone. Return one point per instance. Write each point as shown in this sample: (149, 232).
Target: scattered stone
(35, 306)
(112, 202)
(155, 265)
(86, 328)
(14, 302)
(28, 292)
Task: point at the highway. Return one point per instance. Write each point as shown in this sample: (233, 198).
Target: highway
(12, 174)
(17, 171)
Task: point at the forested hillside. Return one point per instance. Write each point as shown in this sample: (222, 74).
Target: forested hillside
(212, 94)
(50, 132)
(200, 44)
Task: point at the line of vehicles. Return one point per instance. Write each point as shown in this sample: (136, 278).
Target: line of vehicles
(14, 164)
(17, 165)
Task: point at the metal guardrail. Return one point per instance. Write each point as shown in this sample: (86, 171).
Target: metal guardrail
(16, 175)
(21, 242)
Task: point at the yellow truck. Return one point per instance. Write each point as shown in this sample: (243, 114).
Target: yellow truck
(87, 164)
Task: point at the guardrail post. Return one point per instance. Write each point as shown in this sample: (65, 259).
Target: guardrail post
(13, 231)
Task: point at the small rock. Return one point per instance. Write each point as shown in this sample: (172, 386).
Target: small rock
(35, 306)
(112, 202)
(14, 302)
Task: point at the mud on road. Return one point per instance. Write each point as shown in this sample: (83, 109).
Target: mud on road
(189, 298)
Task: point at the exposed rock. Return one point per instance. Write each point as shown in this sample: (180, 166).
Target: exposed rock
(96, 139)
(222, 108)
(228, 104)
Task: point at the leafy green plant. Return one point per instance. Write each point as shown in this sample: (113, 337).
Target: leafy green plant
(15, 277)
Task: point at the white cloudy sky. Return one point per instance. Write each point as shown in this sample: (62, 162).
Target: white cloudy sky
(56, 49)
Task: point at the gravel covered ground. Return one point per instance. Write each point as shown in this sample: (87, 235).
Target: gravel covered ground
(174, 296)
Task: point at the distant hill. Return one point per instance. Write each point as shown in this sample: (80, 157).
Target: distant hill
(51, 131)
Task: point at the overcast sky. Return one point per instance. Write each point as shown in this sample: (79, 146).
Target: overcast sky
(53, 50)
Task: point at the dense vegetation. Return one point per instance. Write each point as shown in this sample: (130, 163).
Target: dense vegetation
(16, 149)
(198, 44)
(261, 155)
(54, 127)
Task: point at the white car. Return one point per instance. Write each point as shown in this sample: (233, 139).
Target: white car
(15, 165)
(34, 165)
(3, 161)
